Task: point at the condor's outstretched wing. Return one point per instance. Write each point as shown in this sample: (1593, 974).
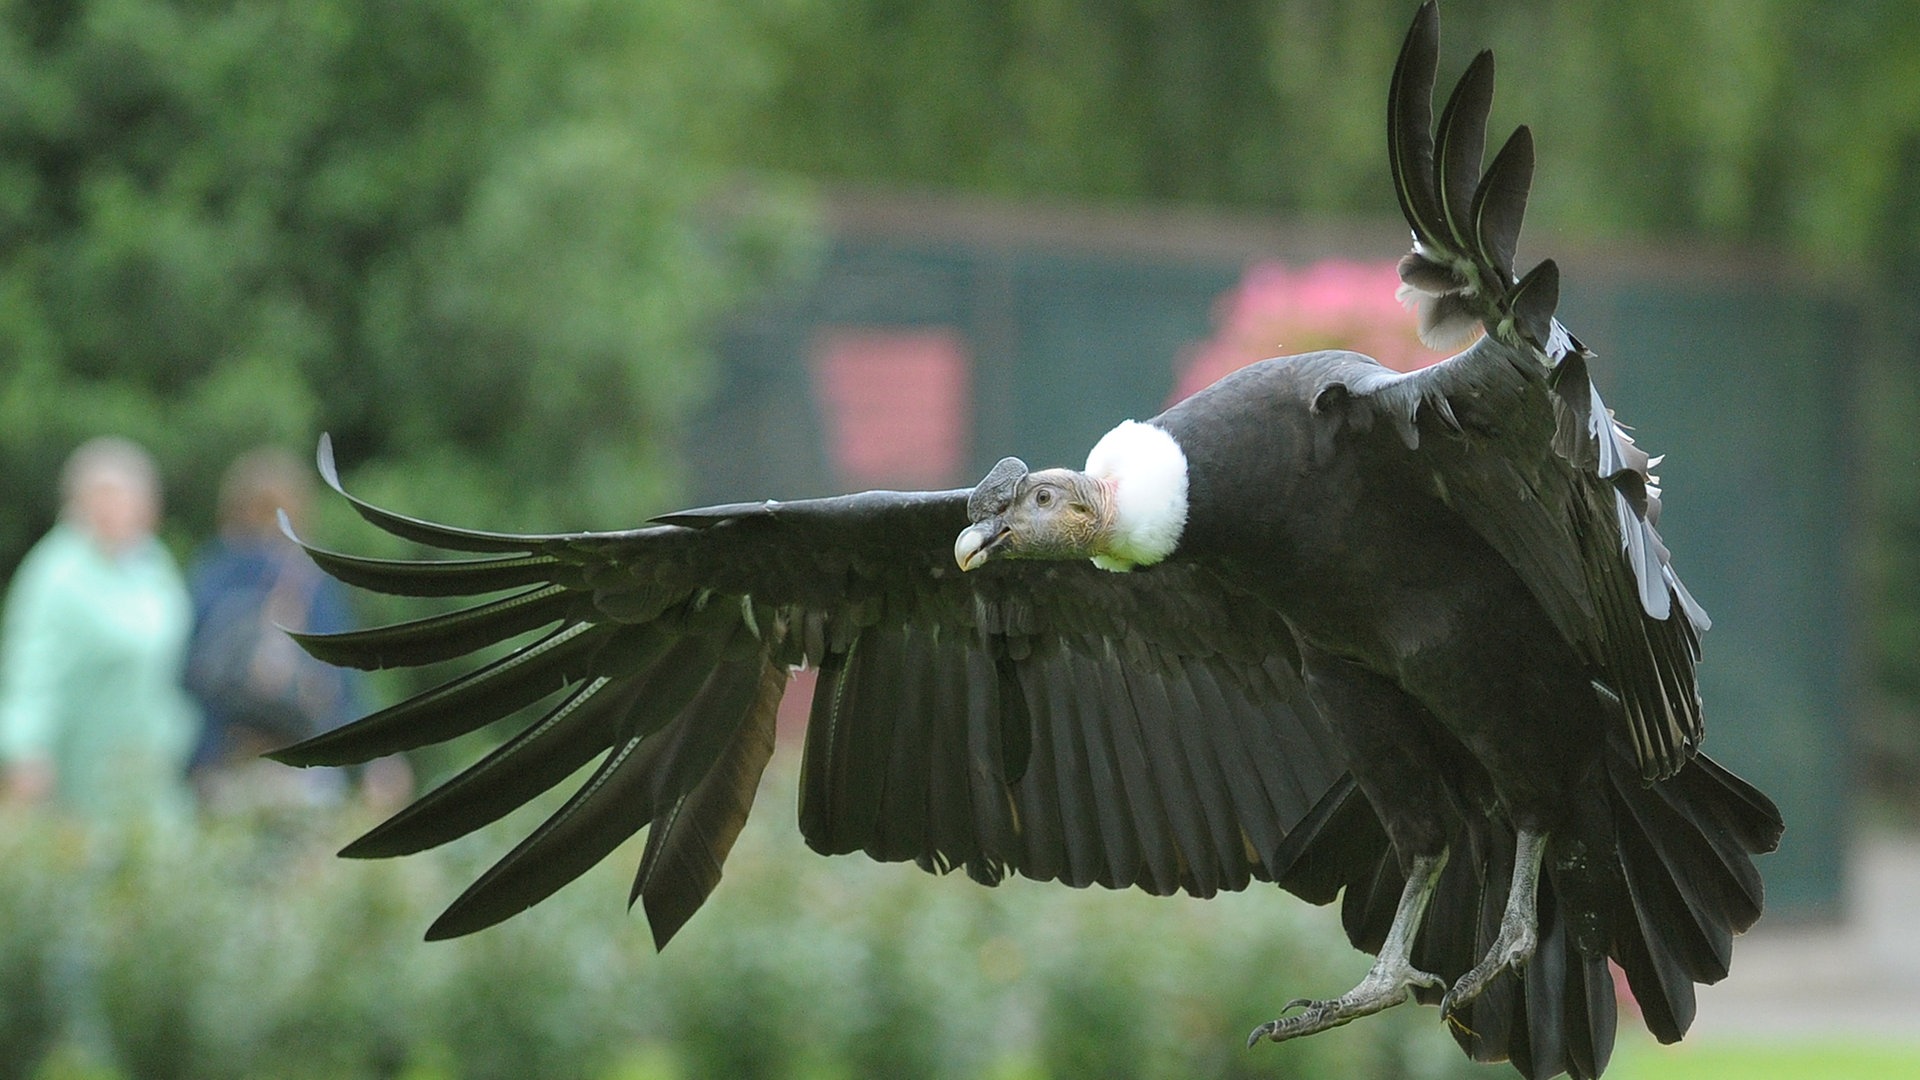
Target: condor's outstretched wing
(1525, 449)
(1041, 717)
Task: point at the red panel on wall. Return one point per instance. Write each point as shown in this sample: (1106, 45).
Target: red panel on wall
(1279, 310)
(895, 405)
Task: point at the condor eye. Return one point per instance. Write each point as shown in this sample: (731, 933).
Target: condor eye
(1043, 498)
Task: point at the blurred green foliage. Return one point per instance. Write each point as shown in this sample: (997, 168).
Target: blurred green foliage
(481, 242)
(226, 953)
(484, 243)
(1793, 123)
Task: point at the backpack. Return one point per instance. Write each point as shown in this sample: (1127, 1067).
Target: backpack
(246, 668)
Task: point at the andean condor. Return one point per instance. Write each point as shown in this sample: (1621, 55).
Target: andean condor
(1410, 637)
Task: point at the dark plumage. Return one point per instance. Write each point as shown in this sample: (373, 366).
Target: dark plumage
(1128, 699)
(1410, 638)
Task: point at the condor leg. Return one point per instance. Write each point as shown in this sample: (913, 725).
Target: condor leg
(1519, 924)
(1389, 981)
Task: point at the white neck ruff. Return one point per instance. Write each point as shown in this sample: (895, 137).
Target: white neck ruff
(1148, 474)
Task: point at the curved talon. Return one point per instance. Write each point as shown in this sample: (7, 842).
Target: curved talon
(1380, 990)
(1307, 1023)
(1472, 985)
(1270, 1030)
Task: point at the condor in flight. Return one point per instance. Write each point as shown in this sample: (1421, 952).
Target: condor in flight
(1410, 637)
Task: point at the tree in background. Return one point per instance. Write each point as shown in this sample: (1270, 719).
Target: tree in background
(1790, 123)
(471, 238)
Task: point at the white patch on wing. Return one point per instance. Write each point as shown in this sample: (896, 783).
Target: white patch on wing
(1148, 473)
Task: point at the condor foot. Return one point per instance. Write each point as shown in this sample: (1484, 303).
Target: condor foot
(1510, 951)
(1384, 987)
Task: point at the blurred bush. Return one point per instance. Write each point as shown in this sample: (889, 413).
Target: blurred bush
(480, 242)
(238, 953)
(1787, 122)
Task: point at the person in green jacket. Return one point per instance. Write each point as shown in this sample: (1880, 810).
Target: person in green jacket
(93, 717)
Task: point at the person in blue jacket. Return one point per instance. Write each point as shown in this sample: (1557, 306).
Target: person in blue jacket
(257, 690)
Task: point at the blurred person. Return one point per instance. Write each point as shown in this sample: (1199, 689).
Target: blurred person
(93, 718)
(257, 690)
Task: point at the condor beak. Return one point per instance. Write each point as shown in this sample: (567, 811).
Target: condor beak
(977, 542)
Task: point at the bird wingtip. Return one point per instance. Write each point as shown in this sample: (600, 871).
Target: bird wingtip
(323, 457)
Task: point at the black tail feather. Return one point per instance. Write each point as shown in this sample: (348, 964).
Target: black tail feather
(1545, 980)
(1659, 981)
(1367, 912)
(1712, 793)
(1702, 945)
(1592, 995)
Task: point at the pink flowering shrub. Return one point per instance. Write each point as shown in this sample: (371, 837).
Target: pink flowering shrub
(1277, 310)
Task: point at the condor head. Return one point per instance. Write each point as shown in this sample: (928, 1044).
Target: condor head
(1127, 509)
(1051, 514)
